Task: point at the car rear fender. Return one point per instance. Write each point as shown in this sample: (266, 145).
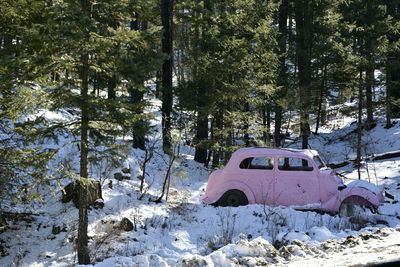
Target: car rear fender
(229, 185)
(214, 179)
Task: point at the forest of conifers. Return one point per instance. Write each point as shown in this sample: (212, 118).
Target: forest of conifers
(232, 69)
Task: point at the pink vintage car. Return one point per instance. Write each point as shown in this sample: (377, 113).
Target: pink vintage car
(288, 177)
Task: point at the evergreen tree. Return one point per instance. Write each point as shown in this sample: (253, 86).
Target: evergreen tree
(232, 66)
(62, 46)
(23, 160)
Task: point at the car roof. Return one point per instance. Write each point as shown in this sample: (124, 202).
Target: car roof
(266, 151)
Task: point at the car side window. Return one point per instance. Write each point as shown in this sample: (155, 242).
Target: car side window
(294, 164)
(257, 163)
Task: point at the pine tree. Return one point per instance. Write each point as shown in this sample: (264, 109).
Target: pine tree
(230, 68)
(70, 44)
(23, 161)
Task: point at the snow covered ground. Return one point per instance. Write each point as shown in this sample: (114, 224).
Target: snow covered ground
(185, 232)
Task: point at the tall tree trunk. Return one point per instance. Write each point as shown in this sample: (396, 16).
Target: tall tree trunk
(202, 111)
(210, 152)
(94, 83)
(217, 136)
(388, 91)
(278, 126)
(136, 96)
(139, 127)
(83, 250)
(393, 65)
(266, 122)
(200, 154)
(166, 19)
(111, 87)
(359, 125)
(369, 70)
(246, 124)
(303, 15)
(321, 99)
(228, 133)
(395, 86)
(282, 20)
(369, 81)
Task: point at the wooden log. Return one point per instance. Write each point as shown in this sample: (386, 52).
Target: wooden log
(339, 165)
(388, 155)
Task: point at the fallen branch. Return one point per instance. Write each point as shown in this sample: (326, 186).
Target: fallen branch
(388, 155)
(339, 165)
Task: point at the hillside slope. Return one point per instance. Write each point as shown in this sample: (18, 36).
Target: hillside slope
(185, 232)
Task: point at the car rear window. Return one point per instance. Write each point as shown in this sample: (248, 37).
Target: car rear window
(257, 163)
(294, 164)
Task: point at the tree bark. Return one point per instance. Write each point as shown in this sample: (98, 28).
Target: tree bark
(217, 137)
(111, 86)
(369, 79)
(83, 250)
(369, 71)
(167, 49)
(246, 125)
(303, 15)
(388, 90)
(321, 99)
(94, 83)
(228, 134)
(393, 66)
(136, 96)
(282, 20)
(202, 111)
(266, 122)
(139, 127)
(201, 135)
(359, 126)
(210, 152)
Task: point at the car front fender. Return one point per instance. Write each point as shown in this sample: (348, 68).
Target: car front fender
(359, 195)
(357, 192)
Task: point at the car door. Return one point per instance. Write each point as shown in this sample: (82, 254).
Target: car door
(257, 173)
(296, 182)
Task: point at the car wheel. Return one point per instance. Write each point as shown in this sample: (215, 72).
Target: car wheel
(233, 198)
(358, 212)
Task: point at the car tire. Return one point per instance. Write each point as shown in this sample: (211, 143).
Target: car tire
(356, 212)
(233, 198)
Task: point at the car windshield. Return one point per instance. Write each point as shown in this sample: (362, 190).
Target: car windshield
(320, 163)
